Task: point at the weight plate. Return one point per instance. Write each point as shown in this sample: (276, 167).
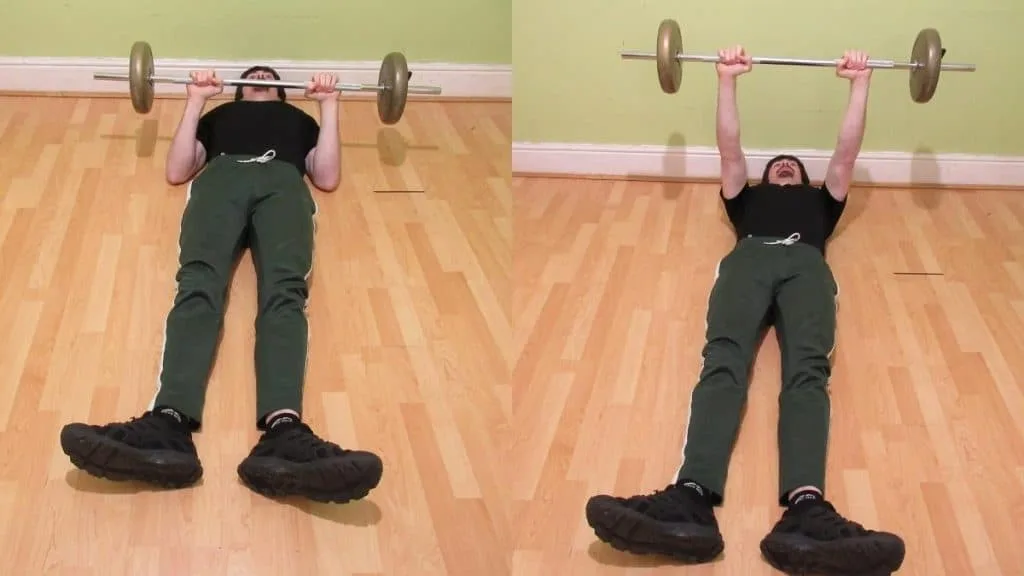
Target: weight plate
(927, 51)
(140, 74)
(670, 44)
(394, 76)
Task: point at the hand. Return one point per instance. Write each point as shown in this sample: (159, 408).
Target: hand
(853, 66)
(204, 84)
(733, 62)
(322, 87)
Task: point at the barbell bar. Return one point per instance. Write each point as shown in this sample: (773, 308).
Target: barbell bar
(924, 65)
(392, 84)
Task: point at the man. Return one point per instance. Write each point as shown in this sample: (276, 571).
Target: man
(776, 272)
(256, 152)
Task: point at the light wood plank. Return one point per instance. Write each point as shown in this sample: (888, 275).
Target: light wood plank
(611, 287)
(410, 316)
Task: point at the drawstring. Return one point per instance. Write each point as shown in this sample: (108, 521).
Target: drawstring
(266, 157)
(789, 241)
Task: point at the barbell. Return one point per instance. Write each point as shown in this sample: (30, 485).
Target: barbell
(925, 61)
(392, 85)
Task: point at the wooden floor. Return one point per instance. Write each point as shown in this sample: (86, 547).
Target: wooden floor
(410, 348)
(421, 305)
(611, 287)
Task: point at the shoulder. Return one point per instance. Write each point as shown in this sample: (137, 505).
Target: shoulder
(748, 189)
(297, 112)
(828, 197)
(217, 110)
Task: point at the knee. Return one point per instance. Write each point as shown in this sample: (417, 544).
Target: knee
(809, 372)
(284, 293)
(200, 281)
(725, 362)
(725, 351)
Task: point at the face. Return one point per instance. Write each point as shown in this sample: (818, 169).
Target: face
(259, 93)
(785, 172)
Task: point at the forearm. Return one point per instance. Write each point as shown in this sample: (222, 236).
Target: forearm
(181, 157)
(851, 132)
(326, 164)
(728, 120)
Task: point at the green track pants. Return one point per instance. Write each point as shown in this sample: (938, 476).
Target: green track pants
(764, 279)
(236, 203)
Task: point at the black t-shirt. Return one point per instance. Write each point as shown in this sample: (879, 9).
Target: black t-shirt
(779, 211)
(252, 128)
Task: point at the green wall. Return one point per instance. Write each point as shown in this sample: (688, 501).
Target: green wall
(459, 31)
(572, 86)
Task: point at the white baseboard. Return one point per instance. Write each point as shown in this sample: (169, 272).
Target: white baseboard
(76, 74)
(700, 163)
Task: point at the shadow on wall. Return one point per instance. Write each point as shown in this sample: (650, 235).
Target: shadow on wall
(925, 169)
(672, 173)
(674, 164)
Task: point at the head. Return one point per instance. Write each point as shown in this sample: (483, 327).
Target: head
(260, 93)
(785, 170)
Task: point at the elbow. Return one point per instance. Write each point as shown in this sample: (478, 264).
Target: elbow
(175, 177)
(327, 183)
(327, 176)
(179, 171)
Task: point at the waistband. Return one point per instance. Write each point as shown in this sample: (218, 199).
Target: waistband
(790, 240)
(247, 159)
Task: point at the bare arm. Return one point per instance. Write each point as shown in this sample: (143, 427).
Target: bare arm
(323, 163)
(733, 161)
(851, 133)
(186, 155)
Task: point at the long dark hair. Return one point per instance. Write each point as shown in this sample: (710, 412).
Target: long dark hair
(768, 167)
(280, 91)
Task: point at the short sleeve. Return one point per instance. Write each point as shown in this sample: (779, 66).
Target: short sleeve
(734, 205)
(312, 134)
(833, 208)
(205, 130)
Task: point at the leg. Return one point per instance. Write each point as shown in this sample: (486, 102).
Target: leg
(213, 236)
(679, 521)
(289, 458)
(157, 448)
(812, 536)
(282, 249)
(805, 325)
(737, 309)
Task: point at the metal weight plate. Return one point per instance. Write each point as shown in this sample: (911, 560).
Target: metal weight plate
(140, 73)
(394, 76)
(927, 51)
(670, 44)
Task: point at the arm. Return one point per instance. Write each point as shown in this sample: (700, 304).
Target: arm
(851, 134)
(323, 163)
(186, 154)
(732, 63)
(733, 161)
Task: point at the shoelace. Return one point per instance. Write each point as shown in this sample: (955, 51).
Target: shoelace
(262, 159)
(671, 498)
(788, 241)
(825, 520)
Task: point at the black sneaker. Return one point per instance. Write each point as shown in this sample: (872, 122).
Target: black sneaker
(674, 522)
(811, 537)
(154, 448)
(290, 460)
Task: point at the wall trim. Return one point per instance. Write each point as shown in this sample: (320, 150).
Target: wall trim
(702, 163)
(74, 75)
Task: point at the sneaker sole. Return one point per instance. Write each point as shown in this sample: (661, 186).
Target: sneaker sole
(109, 459)
(335, 480)
(629, 531)
(867, 556)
